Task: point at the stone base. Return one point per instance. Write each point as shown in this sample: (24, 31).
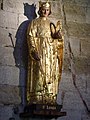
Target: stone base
(43, 111)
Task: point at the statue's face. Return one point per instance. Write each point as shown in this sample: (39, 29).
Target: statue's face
(45, 12)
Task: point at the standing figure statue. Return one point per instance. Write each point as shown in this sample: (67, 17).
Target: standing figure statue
(45, 45)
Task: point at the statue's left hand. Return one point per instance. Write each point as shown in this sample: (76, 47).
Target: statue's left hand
(55, 32)
(58, 35)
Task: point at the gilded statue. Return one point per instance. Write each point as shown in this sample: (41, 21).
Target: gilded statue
(45, 46)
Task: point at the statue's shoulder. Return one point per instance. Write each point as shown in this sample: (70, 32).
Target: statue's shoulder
(48, 20)
(36, 20)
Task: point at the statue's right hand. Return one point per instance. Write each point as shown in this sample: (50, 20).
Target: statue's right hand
(34, 54)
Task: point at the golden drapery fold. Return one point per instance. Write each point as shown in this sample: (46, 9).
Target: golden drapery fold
(44, 62)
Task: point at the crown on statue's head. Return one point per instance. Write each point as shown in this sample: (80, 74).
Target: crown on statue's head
(44, 4)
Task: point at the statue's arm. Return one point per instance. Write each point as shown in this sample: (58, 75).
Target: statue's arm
(31, 36)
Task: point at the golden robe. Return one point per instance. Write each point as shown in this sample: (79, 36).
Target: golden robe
(44, 74)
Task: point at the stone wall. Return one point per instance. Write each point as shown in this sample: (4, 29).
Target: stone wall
(75, 83)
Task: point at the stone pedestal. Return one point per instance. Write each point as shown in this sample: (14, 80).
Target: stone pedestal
(43, 111)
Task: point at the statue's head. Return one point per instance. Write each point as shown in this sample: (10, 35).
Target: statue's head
(44, 9)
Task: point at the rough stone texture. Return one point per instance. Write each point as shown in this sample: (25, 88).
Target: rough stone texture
(88, 15)
(85, 47)
(75, 13)
(10, 6)
(9, 75)
(74, 9)
(5, 112)
(77, 26)
(9, 94)
(74, 90)
(81, 65)
(82, 2)
(6, 56)
(8, 20)
(66, 82)
(78, 2)
(73, 101)
(75, 45)
(55, 8)
(17, 6)
(78, 29)
(5, 40)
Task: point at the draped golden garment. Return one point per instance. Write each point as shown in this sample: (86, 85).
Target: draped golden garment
(44, 75)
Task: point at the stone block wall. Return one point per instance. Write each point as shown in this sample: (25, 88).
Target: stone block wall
(77, 56)
(74, 85)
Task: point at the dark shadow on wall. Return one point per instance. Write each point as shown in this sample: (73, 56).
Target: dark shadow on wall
(21, 49)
